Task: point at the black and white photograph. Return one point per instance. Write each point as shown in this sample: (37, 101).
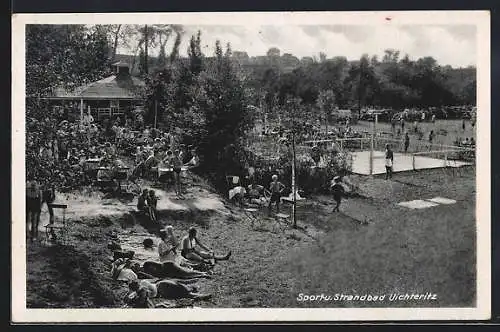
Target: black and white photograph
(251, 166)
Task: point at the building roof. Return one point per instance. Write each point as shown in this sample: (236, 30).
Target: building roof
(112, 87)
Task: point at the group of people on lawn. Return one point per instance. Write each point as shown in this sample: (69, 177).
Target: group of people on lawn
(180, 263)
(258, 195)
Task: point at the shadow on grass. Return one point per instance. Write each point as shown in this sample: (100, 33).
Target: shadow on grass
(71, 280)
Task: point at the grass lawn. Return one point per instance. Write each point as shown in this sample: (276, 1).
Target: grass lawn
(399, 251)
(432, 250)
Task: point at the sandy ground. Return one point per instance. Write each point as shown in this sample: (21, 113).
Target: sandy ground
(397, 250)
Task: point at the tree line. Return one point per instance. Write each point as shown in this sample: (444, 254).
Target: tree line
(393, 82)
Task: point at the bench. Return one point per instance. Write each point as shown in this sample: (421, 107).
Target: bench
(53, 228)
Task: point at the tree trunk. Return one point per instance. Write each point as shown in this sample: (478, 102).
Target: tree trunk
(132, 67)
(115, 44)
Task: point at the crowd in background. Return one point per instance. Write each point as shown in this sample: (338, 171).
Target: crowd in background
(59, 155)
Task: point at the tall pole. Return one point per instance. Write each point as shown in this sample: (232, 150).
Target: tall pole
(373, 143)
(326, 121)
(81, 111)
(294, 187)
(156, 111)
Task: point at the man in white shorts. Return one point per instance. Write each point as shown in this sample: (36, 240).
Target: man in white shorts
(389, 161)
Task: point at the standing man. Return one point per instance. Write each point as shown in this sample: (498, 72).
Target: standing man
(431, 137)
(33, 207)
(389, 161)
(407, 142)
(49, 196)
(276, 189)
(402, 124)
(177, 167)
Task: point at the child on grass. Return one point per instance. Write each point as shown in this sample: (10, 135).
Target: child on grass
(338, 192)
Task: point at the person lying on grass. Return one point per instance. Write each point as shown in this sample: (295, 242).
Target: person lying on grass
(141, 293)
(169, 263)
(121, 270)
(125, 270)
(171, 269)
(190, 251)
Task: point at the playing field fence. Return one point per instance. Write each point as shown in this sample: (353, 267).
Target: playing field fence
(446, 158)
(418, 155)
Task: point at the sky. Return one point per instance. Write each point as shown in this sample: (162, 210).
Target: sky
(453, 45)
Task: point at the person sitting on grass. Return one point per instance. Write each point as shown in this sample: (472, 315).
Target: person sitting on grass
(168, 251)
(237, 194)
(151, 164)
(152, 202)
(190, 251)
(142, 203)
(167, 248)
(257, 194)
(168, 265)
(276, 188)
(338, 192)
(194, 161)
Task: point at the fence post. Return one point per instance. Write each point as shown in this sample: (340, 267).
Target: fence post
(413, 161)
(446, 159)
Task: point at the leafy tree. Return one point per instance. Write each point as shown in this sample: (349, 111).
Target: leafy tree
(195, 54)
(225, 114)
(273, 52)
(175, 50)
(64, 55)
(326, 103)
(142, 63)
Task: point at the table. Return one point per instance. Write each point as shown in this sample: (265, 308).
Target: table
(163, 170)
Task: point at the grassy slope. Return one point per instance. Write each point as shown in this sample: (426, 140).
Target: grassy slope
(429, 250)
